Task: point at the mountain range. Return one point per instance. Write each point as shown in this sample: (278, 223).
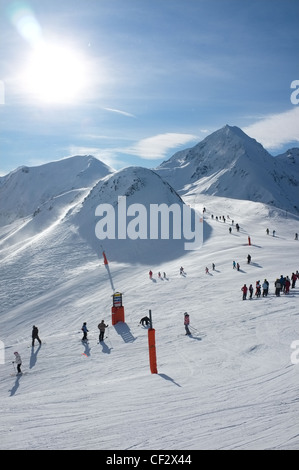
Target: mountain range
(228, 163)
(232, 384)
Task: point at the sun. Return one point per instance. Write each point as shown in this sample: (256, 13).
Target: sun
(55, 74)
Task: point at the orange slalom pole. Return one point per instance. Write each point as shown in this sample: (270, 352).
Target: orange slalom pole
(152, 347)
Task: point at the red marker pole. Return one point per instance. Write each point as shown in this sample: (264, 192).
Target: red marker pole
(108, 270)
(152, 346)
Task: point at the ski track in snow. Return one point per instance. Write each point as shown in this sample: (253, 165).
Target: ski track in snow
(230, 386)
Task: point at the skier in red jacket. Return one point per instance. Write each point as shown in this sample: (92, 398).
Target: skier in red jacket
(244, 289)
(186, 323)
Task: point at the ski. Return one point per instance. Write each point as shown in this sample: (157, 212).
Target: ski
(99, 342)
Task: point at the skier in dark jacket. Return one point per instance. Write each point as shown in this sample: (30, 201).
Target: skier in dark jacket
(85, 331)
(102, 327)
(35, 335)
(144, 320)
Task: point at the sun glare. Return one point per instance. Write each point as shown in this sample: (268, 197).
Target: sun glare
(55, 75)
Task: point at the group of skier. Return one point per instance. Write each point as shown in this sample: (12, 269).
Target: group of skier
(101, 326)
(284, 283)
(281, 284)
(146, 321)
(160, 276)
(258, 289)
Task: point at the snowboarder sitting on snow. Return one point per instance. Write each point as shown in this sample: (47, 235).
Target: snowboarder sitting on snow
(144, 320)
(18, 361)
(85, 331)
(102, 327)
(186, 323)
(35, 335)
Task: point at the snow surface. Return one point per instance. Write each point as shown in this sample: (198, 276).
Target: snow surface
(231, 385)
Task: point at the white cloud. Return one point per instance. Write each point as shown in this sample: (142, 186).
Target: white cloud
(276, 130)
(104, 155)
(118, 111)
(152, 148)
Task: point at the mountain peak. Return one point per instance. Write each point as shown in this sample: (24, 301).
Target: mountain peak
(30, 187)
(229, 163)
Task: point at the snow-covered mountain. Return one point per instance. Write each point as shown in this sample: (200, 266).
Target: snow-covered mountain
(232, 385)
(141, 188)
(27, 189)
(228, 163)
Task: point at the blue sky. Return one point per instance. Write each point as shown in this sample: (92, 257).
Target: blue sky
(133, 81)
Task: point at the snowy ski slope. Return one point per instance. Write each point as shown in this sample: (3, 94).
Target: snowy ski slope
(232, 385)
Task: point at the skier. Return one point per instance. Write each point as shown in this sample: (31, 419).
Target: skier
(248, 259)
(277, 287)
(234, 265)
(150, 274)
(18, 361)
(238, 267)
(144, 320)
(250, 291)
(265, 288)
(282, 283)
(85, 331)
(258, 288)
(287, 285)
(294, 279)
(207, 270)
(35, 335)
(182, 270)
(186, 323)
(102, 327)
(244, 289)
